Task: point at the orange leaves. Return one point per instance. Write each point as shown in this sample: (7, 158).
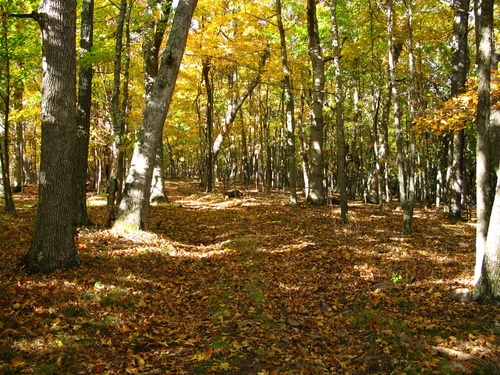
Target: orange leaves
(249, 288)
(458, 112)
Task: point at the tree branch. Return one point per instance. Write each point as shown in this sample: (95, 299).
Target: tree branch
(33, 15)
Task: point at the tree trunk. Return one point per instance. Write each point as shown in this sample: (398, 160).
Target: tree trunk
(152, 40)
(18, 143)
(5, 139)
(460, 67)
(316, 164)
(133, 212)
(405, 194)
(53, 245)
(115, 186)
(83, 115)
(409, 201)
(209, 127)
(339, 113)
(487, 269)
(289, 109)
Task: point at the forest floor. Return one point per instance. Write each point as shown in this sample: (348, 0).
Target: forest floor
(249, 285)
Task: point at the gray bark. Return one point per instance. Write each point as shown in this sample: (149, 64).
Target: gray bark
(339, 112)
(83, 115)
(316, 194)
(133, 212)
(487, 269)
(152, 40)
(460, 66)
(53, 245)
(5, 137)
(289, 109)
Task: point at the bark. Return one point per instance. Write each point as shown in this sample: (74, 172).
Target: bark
(486, 277)
(53, 245)
(157, 182)
(117, 117)
(83, 115)
(18, 143)
(209, 127)
(133, 212)
(460, 67)
(339, 113)
(409, 201)
(5, 137)
(316, 194)
(289, 109)
(152, 40)
(405, 193)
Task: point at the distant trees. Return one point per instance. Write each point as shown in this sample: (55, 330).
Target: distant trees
(352, 93)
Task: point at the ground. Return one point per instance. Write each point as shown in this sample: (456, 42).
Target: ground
(249, 285)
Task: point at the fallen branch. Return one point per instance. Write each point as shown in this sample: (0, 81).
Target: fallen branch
(461, 356)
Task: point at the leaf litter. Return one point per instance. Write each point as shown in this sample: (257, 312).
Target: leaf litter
(249, 286)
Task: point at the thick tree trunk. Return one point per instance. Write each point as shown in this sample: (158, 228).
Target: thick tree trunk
(133, 212)
(486, 277)
(53, 243)
(83, 115)
(316, 194)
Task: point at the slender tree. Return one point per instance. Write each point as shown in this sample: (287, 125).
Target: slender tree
(83, 113)
(339, 114)
(54, 244)
(209, 125)
(460, 67)
(153, 36)
(117, 115)
(5, 98)
(133, 212)
(289, 108)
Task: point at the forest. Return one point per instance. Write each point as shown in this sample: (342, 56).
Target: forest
(231, 186)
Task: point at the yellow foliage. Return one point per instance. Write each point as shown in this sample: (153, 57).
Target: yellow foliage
(457, 112)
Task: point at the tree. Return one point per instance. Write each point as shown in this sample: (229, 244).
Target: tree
(53, 245)
(460, 67)
(133, 212)
(289, 108)
(5, 108)
(316, 194)
(153, 36)
(83, 113)
(487, 270)
(339, 114)
(115, 184)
